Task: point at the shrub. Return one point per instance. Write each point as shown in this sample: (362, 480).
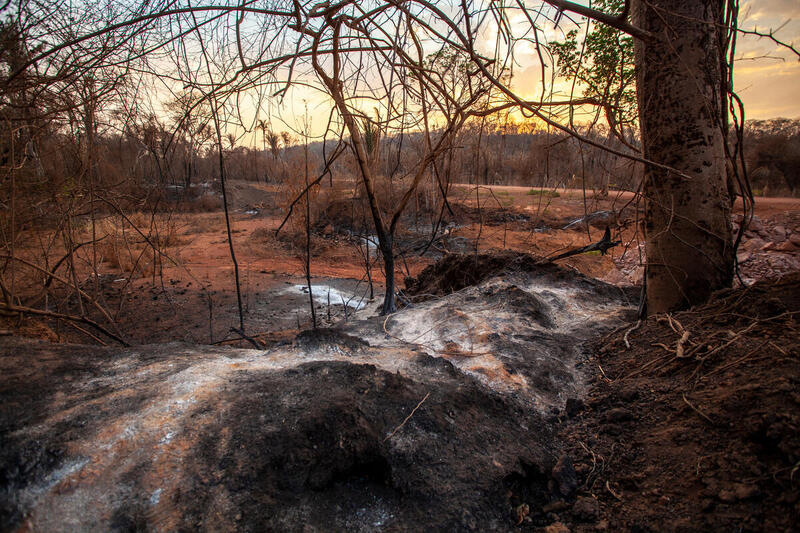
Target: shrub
(547, 193)
(121, 246)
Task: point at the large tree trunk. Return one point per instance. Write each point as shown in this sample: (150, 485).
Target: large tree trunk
(682, 110)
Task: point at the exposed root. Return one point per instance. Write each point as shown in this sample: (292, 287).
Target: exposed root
(679, 349)
(696, 410)
(634, 328)
(612, 491)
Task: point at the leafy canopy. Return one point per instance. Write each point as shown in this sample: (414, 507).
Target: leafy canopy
(603, 66)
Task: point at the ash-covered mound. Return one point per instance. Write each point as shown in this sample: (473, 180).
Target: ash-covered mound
(455, 271)
(522, 329)
(176, 437)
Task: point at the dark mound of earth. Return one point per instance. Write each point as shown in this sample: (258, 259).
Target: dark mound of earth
(179, 437)
(456, 271)
(324, 452)
(492, 215)
(705, 438)
(328, 338)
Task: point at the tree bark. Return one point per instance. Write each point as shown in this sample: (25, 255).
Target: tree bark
(682, 110)
(389, 302)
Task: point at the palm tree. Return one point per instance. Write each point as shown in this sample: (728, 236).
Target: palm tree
(274, 143)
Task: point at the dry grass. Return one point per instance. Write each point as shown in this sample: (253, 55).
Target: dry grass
(549, 193)
(195, 224)
(133, 245)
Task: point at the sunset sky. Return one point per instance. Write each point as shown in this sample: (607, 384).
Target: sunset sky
(767, 77)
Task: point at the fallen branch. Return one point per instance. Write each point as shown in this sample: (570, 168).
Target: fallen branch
(602, 246)
(31, 311)
(88, 333)
(251, 340)
(53, 275)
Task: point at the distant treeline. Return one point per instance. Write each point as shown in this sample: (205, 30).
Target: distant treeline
(772, 152)
(536, 158)
(55, 163)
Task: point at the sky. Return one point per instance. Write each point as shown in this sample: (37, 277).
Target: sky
(766, 76)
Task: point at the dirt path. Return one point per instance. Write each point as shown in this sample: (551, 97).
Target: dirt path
(765, 206)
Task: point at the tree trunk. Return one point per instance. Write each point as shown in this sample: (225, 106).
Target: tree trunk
(682, 110)
(389, 305)
(385, 234)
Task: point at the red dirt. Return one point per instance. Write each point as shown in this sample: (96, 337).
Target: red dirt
(176, 304)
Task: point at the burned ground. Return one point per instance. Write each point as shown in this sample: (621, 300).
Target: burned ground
(706, 441)
(508, 434)
(457, 271)
(323, 452)
(355, 428)
(346, 430)
(324, 444)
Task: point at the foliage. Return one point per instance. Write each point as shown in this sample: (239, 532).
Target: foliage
(372, 136)
(449, 68)
(544, 192)
(773, 158)
(603, 65)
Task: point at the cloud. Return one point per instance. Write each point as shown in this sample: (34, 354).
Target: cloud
(767, 75)
(768, 88)
(771, 12)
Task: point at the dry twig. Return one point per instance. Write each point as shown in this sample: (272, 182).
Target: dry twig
(31, 311)
(612, 492)
(403, 423)
(634, 328)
